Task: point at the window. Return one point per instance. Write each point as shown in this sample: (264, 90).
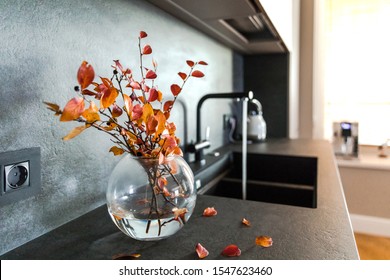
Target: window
(356, 65)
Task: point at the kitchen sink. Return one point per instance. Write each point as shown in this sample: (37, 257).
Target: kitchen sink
(290, 180)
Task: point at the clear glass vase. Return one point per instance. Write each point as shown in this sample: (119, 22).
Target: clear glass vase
(151, 201)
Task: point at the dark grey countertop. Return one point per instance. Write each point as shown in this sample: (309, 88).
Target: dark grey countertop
(297, 232)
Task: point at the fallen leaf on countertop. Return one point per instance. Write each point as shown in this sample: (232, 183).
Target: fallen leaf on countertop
(264, 241)
(209, 211)
(201, 251)
(231, 251)
(126, 256)
(246, 222)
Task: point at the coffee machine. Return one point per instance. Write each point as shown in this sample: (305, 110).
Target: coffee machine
(345, 139)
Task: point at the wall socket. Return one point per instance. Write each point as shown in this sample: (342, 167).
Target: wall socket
(20, 175)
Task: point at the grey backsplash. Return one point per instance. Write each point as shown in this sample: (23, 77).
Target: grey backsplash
(42, 45)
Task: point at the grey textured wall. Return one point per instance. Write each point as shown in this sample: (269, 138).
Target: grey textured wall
(42, 44)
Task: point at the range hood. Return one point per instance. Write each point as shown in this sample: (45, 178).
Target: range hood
(240, 24)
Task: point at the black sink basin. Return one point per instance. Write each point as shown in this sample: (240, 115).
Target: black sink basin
(279, 179)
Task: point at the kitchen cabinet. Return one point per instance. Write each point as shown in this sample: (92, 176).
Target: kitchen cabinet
(243, 25)
(298, 232)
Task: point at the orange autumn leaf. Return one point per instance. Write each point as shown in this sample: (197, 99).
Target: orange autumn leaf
(108, 97)
(151, 125)
(159, 96)
(197, 74)
(116, 151)
(264, 241)
(175, 89)
(125, 256)
(201, 251)
(147, 111)
(54, 107)
(190, 63)
(74, 132)
(85, 75)
(246, 222)
(147, 49)
(179, 214)
(73, 109)
(231, 251)
(92, 113)
(128, 104)
(209, 211)
(160, 117)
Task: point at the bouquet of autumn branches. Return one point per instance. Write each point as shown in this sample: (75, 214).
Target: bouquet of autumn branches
(135, 115)
(144, 129)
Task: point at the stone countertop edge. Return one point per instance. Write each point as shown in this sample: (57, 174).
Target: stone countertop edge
(298, 233)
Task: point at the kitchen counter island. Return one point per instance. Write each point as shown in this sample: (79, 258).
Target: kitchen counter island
(323, 232)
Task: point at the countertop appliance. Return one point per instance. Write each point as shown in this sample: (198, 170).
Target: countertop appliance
(345, 139)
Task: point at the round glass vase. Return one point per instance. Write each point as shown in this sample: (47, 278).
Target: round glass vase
(148, 200)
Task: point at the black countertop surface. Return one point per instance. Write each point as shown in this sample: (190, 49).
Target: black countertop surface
(298, 232)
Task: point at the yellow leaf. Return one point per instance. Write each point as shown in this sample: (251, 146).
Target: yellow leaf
(75, 131)
(91, 114)
(116, 151)
(147, 112)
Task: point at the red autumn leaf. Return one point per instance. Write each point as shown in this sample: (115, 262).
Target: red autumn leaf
(246, 222)
(201, 251)
(119, 65)
(143, 34)
(231, 251)
(168, 105)
(264, 241)
(209, 211)
(85, 75)
(153, 95)
(147, 49)
(137, 111)
(175, 89)
(116, 111)
(182, 75)
(202, 62)
(150, 74)
(73, 109)
(190, 63)
(134, 85)
(197, 74)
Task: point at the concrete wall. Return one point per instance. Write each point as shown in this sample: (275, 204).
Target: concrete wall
(42, 45)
